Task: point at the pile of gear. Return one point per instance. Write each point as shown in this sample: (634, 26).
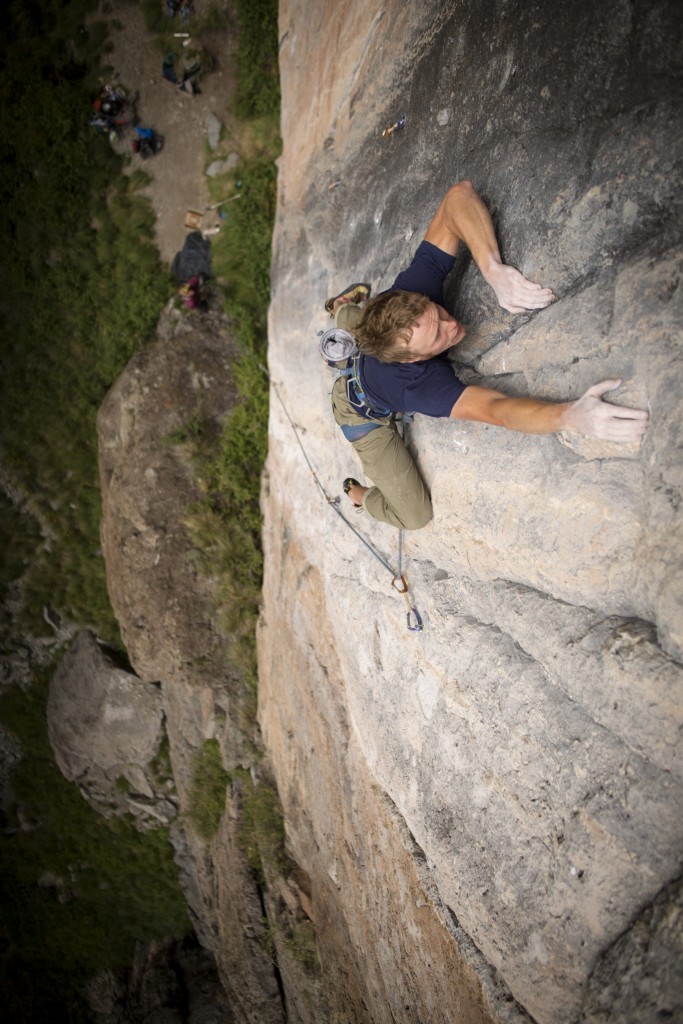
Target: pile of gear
(115, 113)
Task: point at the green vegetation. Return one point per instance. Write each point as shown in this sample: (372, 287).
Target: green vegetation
(226, 524)
(299, 941)
(19, 535)
(77, 890)
(82, 290)
(262, 827)
(301, 945)
(207, 796)
(83, 287)
(258, 86)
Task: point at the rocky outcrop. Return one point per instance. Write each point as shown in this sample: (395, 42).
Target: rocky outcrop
(490, 811)
(179, 386)
(170, 982)
(106, 728)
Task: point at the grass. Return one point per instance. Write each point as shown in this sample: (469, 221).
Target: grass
(19, 536)
(258, 85)
(207, 793)
(262, 827)
(83, 288)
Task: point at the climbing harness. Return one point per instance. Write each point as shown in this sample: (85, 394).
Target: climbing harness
(398, 582)
(356, 395)
(338, 348)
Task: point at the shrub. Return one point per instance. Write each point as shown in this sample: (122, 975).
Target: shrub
(258, 84)
(207, 793)
(262, 827)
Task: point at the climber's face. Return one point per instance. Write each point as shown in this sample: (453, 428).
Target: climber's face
(434, 332)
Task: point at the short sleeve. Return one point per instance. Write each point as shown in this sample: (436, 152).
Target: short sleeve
(427, 272)
(430, 387)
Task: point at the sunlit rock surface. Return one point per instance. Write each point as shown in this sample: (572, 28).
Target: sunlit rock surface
(490, 811)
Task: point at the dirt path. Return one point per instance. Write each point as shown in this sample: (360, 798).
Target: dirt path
(179, 183)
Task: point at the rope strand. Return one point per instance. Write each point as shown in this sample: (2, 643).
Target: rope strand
(333, 502)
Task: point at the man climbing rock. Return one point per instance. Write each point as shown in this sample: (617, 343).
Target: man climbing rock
(403, 335)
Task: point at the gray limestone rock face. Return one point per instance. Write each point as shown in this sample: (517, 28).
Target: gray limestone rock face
(639, 977)
(106, 727)
(528, 740)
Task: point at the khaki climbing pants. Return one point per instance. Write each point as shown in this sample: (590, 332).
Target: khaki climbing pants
(399, 496)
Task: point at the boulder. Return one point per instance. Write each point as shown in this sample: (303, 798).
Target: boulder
(214, 126)
(217, 167)
(106, 727)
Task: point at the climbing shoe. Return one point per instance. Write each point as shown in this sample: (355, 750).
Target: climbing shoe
(347, 485)
(354, 293)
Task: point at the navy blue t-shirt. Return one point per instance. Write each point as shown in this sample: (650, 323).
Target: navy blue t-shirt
(428, 386)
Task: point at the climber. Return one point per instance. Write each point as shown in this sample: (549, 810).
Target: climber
(403, 336)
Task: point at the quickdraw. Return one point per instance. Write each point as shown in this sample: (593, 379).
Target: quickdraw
(412, 610)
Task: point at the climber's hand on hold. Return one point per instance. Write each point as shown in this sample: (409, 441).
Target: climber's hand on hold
(513, 291)
(591, 416)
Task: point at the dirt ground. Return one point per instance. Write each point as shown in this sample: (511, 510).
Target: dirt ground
(179, 183)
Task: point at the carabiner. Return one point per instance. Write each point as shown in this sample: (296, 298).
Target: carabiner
(403, 581)
(417, 628)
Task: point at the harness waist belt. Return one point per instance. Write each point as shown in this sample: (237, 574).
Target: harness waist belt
(356, 396)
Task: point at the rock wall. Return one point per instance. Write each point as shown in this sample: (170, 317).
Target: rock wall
(490, 811)
(165, 608)
(106, 728)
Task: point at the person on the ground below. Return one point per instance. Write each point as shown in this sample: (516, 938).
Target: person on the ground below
(404, 334)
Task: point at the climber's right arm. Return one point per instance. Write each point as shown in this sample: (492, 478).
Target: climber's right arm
(588, 415)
